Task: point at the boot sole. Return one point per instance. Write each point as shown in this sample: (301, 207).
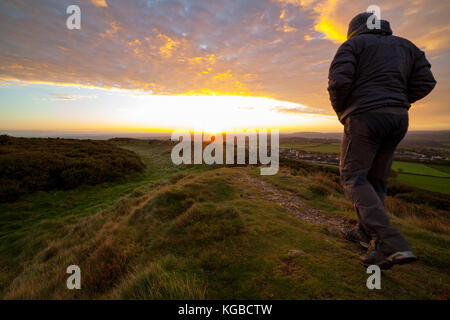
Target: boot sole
(363, 244)
(390, 261)
(389, 264)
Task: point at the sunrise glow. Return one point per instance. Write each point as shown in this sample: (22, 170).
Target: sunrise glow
(163, 66)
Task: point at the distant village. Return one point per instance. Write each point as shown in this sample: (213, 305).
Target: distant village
(324, 158)
(333, 158)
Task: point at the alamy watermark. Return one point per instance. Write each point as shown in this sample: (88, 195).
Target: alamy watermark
(374, 281)
(74, 20)
(374, 21)
(209, 148)
(74, 280)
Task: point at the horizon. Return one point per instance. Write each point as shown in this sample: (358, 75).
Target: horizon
(103, 135)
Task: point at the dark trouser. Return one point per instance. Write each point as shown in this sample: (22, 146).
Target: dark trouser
(367, 151)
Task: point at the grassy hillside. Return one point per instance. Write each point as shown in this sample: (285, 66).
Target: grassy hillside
(29, 165)
(194, 232)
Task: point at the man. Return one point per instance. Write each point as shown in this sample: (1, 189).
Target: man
(373, 80)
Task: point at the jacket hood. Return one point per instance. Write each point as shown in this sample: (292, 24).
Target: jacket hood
(358, 25)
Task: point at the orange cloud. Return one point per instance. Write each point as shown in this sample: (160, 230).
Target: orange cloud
(168, 47)
(99, 3)
(183, 46)
(327, 20)
(330, 29)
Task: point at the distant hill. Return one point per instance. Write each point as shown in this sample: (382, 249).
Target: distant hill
(313, 135)
(428, 138)
(440, 138)
(84, 135)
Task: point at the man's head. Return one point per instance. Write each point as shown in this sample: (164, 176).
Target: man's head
(358, 25)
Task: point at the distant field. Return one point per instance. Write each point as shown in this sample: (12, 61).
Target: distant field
(420, 168)
(333, 147)
(423, 176)
(437, 184)
(439, 167)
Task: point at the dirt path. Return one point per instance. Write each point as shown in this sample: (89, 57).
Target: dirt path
(297, 207)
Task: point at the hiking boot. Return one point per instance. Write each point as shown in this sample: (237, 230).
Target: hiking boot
(358, 236)
(375, 256)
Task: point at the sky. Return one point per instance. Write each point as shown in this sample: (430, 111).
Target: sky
(160, 65)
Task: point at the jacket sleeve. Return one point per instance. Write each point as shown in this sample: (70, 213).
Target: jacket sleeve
(421, 80)
(341, 76)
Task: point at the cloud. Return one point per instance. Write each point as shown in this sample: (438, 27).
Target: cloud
(271, 48)
(66, 97)
(297, 110)
(326, 22)
(99, 3)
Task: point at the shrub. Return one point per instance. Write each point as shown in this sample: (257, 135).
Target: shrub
(414, 195)
(31, 164)
(320, 189)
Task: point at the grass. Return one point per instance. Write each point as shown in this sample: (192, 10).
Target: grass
(439, 167)
(196, 232)
(437, 184)
(420, 169)
(423, 176)
(27, 225)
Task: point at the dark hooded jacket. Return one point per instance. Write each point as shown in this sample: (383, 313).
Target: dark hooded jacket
(373, 68)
